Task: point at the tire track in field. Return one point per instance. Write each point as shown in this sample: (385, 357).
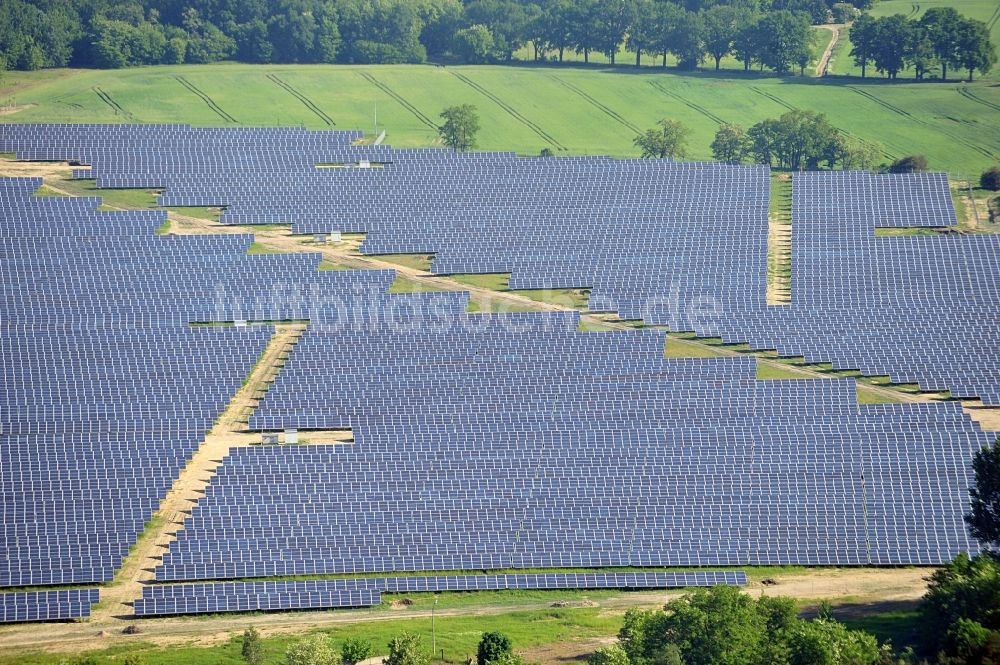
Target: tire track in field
(968, 94)
(909, 116)
(208, 100)
(509, 109)
(596, 104)
(914, 10)
(109, 100)
(695, 107)
(402, 102)
(781, 102)
(774, 98)
(308, 103)
(994, 17)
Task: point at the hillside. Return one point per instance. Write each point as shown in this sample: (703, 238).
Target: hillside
(571, 110)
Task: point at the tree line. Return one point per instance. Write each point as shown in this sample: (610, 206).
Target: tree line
(797, 140)
(940, 39)
(773, 34)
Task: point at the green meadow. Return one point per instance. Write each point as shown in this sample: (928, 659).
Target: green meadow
(568, 109)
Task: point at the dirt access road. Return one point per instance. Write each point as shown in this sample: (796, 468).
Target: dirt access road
(847, 586)
(824, 61)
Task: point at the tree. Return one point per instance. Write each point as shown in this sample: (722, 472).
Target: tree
(612, 22)
(964, 589)
(354, 650)
(252, 650)
(975, 52)
(315, 650)
(640, 28)
(383, 31)
(724, 626)
(721, 625)
(764, 141)
(460, 126)
(983, 518)
(612, 655)
(585, 27)
(720, 26)
(684, 39)
(557, 25)
(785, 39)
(920, 51)
(909, 164)
(206, 43)
(825, 642)
(731, 144)
(492, 646)
(474, 44)
(668, 141)
(441, 19)
(942, 25)
(857, 155)
(797, 140)
(746, 43)
(509, 22)
(405, 649)
(864, 41)
(893, 35)
(990, 179)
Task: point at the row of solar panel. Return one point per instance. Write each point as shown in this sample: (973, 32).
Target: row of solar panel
(47, 605)
(244, 596)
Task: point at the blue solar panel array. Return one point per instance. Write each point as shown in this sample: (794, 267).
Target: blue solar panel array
(46, 605)
(244, 596)
(107, 389)
(563, 449)
(481, 442)
(683, 245)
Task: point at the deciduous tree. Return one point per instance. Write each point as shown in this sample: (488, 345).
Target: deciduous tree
(315, 650)
(354, 650)
(251, 648)
(983, 518)
(731, 144)
(461, 123)
(720, 25)
(942, 25)
(669, 140)
(405, 649)
(975, 52)
(492, 646)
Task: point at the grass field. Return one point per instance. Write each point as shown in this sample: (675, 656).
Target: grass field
(571, 110)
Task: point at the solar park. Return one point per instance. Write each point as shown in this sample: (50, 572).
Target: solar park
(481, 443)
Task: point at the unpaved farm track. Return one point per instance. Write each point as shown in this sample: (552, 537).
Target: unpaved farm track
(139, 566)
(861, 586)
(824, 61)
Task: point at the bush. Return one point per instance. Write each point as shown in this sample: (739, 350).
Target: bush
(492, 646)
(990, 179)
(909, 164)
(355, 650)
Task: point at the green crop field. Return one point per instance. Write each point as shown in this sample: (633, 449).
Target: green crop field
(568, 109)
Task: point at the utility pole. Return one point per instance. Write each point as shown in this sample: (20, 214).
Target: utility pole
(433, 627)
